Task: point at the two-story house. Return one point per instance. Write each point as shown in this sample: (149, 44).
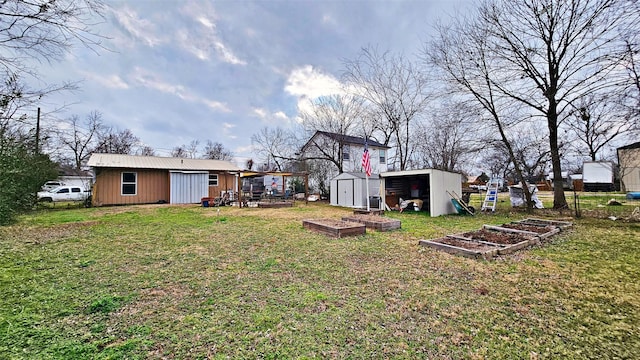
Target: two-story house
(335, 154)
(344, 152)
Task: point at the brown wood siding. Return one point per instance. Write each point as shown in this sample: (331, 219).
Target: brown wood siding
(152, 187)
(225, 182)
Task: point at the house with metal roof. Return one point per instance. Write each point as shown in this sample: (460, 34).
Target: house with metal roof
(127, 179)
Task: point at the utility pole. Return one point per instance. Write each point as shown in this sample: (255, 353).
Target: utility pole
(38, 131)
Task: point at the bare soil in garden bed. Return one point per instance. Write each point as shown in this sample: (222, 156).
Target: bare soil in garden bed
(334, 223)
(496, 237)
(470, 245)
(531, 228)
(371, 218)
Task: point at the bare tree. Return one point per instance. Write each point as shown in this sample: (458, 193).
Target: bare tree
(596, 122)
(397, 91)
(337, 116)
(217, 151)
(180, 152)
(45, 30)
(117, 142)
(468, 68)
(79, 138)
(275, 145)
(146, 150)
(450, 139)
(42, 31)
(553, 52)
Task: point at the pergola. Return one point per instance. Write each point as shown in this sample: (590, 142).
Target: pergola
(280, 174)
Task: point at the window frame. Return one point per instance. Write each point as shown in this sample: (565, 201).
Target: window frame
(346, 152)
(217, 179)
(382, 156)
(134, 183)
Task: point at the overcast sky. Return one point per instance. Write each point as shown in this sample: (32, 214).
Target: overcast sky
(178, 71)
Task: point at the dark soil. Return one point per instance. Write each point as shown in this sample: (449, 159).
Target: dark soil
(372, 218)
(470, 245)
(336, 224)
(496, 237)
(531, 228)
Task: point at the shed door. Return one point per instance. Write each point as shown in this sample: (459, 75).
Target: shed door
(345, 192)
(188, 187)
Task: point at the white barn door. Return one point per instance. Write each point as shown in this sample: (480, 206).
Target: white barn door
(188, 187)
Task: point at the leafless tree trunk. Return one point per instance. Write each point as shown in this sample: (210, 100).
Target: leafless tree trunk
(553, 52)
(80, 138)
(397, 91)
(116, 142)
(275, 145)
(596, 122)
(450, 139)
(469, 68)
(217, 151)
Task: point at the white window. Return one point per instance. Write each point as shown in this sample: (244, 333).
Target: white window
(346, 151)
(383, 157)
(213, 179)
(129, 183)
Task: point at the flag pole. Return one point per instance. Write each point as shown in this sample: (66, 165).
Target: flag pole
(366, 163)
(368, 201)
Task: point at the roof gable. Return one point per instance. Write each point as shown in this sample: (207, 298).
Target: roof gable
(346, 139)
(630, 146)
(156, 162)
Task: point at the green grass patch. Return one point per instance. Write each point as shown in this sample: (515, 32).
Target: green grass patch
(191, 282)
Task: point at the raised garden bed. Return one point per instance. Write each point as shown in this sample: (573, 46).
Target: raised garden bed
(275, 204)
(541, 231)
(375, 222)
(562, 225)
(462, 247)
(368, 212)
(334, 228)
(497, 240)
(510, 241)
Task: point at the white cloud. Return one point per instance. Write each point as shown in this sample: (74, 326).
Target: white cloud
(206, 22)
(152, 81)
(203, 40)
(226, 130)
(107, 81)
(281, 115)
(270, 118)
(141, 29)
(259, 112)
(307, 82)
(216, 105)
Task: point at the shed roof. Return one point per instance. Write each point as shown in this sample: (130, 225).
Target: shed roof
(630, 146)
(156, 162)
(413, 172)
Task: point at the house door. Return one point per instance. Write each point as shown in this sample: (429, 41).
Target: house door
(345, 192)
(188, 187)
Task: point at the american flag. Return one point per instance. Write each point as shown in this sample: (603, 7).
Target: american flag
(366, 163)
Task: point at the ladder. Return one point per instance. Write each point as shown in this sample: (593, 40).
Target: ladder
(491, 198)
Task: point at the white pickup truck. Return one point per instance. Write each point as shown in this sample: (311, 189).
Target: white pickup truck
(65, 193)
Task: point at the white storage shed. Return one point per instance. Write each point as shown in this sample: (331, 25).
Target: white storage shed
(428, 185)
(350, 190)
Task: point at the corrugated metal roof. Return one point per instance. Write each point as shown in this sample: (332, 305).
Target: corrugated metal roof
(155, 162)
